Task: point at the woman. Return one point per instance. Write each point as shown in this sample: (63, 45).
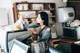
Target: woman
(45, 32)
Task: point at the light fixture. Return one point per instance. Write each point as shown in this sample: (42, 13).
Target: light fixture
(64, 0)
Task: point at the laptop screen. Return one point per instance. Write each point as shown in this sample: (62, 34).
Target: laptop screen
(19, 47)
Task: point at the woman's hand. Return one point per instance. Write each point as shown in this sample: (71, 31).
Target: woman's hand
(30, 30)
(34, 31)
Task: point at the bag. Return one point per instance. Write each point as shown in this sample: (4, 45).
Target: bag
(37, 47)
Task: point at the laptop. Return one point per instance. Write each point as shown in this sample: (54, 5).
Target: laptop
(18, 47)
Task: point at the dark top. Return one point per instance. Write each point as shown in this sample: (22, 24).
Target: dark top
(45, 34)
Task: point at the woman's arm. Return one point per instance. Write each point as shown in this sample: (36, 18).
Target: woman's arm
(32, 25)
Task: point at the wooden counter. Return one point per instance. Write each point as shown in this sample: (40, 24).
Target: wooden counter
(64, 40)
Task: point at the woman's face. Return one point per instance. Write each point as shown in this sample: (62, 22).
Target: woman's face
(39, 20)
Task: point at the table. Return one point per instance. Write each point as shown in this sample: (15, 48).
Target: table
(64, 42)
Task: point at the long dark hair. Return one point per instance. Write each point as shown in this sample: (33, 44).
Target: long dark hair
(44, 16)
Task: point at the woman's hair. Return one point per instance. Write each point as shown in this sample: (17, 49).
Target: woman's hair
(44, 16)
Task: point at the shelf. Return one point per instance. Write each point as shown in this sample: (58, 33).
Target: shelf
(34, 10)
(30, 17)
(25, 10)
(52, 16)
(28, 8)
(52, 9)
(22, 2)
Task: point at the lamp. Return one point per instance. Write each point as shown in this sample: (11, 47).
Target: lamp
(64, 0)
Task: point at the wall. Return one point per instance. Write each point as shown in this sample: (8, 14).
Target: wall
(3, 17)
(8, 4)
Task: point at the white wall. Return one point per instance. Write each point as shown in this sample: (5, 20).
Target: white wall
(3, 17)
(8, 4)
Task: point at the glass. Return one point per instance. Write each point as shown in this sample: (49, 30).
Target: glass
(37, 6)
(25, 6)
(19, 7)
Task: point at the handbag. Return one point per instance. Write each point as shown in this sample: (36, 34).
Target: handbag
(38, 47)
